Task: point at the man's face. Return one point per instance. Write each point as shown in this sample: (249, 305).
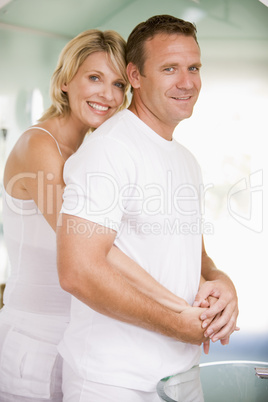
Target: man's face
(170, 84)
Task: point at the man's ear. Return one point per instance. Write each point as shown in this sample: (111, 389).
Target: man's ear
(133, 75)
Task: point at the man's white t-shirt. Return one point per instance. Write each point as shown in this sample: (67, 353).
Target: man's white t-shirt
(128, 178)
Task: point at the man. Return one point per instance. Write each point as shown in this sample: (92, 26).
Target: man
(133, 186)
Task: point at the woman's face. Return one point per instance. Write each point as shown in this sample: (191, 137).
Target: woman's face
(96, 91)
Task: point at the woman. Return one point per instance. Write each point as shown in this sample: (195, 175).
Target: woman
(88, 86)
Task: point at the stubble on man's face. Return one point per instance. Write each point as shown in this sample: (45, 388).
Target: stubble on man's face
(170, 84)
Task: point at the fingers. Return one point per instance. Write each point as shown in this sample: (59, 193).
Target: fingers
(225, 341)
(204, 292)
(217, 308)
(206, 345)
(219, 320)
(222, 326)
(192, 326)
(204, 304)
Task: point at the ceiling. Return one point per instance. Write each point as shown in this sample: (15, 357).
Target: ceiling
(222, 19)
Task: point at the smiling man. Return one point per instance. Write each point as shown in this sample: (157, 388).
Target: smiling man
(167, 87)
(120, 342)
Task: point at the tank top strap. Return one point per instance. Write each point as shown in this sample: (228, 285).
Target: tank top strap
(40, 128)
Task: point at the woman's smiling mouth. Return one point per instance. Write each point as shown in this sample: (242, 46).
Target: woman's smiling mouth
(97, 106)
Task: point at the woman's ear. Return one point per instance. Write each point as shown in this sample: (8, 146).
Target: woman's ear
(133, 75)
(64, 87)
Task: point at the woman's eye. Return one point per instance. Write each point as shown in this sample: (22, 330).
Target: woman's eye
(120, 85)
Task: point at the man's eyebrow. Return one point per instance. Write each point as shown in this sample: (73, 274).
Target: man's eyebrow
(196, 65)
(170, 64)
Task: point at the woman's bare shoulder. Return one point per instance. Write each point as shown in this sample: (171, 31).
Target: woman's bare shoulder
(35, 150)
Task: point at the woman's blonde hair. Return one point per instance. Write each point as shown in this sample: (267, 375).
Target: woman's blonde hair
(73, 55)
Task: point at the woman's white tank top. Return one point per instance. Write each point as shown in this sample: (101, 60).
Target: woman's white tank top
(33, 285)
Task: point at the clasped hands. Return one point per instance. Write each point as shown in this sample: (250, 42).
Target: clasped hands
(220, 317)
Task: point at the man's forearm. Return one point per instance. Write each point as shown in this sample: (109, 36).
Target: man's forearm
(211, 273)
(85, 272)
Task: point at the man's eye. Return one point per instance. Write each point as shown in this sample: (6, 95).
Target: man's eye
(194, 69)
(169, 69)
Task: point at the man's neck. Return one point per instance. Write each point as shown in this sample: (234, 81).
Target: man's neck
(161, 129)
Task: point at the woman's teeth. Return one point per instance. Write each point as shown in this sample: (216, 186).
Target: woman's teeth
(98, 107)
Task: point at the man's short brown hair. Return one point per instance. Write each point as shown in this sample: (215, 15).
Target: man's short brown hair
(135, 52)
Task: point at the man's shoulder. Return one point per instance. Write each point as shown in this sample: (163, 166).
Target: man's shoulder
(115, 134)
(111, 127)
(110, 140)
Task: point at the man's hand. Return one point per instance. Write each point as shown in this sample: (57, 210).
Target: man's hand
(190, 321)
(209, 302)
(223, 310)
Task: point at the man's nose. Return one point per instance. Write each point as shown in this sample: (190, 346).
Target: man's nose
(184, 80)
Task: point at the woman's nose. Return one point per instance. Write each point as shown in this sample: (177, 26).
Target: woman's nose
(107, 92)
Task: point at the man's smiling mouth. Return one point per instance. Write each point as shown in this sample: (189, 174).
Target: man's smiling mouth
(181, 97)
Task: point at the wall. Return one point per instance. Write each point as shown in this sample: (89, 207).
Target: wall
(27, 61)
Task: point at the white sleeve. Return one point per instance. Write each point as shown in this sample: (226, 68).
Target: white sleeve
(98, 178)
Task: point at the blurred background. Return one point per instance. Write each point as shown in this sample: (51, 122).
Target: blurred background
(226, 133)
